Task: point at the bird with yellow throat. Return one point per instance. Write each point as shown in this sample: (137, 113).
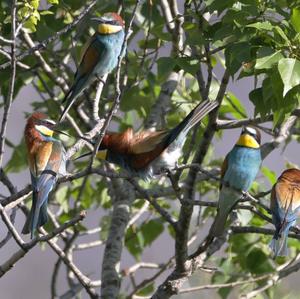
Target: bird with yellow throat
(238, 172)
(100, 56)
(47, 160)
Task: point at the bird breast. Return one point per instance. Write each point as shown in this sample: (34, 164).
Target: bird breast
(243, 166)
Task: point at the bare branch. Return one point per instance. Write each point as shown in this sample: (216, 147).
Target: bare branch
(11, 88)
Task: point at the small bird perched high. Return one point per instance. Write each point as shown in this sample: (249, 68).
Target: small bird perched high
(149, 153)
(47, 160)
(100, 56)
(285, 207)
(238, 172)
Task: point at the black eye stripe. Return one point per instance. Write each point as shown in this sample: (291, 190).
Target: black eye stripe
(46, 123)
(112, 22)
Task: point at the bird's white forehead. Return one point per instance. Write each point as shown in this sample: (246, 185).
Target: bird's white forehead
(50, 121)
(107, 18)
(251, 130)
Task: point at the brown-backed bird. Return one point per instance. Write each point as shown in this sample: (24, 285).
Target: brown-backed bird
(285, 207)
(46, 157)
(149, 153)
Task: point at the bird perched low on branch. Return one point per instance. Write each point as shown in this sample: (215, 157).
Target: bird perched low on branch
(285, 207)
(149, 153)
(46, 158)
(238, 172)
(100, 56)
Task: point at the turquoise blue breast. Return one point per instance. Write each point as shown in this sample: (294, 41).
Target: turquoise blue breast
(113, 44)
(242, 167)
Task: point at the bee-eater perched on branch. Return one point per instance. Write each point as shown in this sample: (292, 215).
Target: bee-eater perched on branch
(285, 207)
(46, 157)
(238, 172)
(100, 56)
(149, 153)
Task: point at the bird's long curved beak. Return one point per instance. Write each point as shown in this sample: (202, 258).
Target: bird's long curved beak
(56, 129)
(61, 132)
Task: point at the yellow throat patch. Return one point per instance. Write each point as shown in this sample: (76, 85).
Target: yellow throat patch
(247, 141)
(109, 29)
(44, 130)
(102, 155)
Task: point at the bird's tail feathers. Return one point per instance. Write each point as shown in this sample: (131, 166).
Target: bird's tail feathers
(69, 100)
(31, 221)
(219, 223)
(38, 215)
(199, 112)
(279, 246)
(192, 119)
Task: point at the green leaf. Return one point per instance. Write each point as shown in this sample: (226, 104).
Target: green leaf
(289, 69)
(165, 66)
(189, 65)
(295, 19)
(18, 160)
(234, 106)
(282, 34)
(268, 61)
(151, 230)
(62, 199)
(147, 290)
(53, 1)
(269, 174)
(256, 97)
(257, 262)
(236, 55)
(134, 241)
(46, 12)
(262, 25)
(35, 3)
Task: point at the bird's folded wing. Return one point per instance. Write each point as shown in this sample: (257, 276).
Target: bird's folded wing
(38, 160)
(52, 167)
(223, 169)
(93, 53)
(288, 196)
(147, 141)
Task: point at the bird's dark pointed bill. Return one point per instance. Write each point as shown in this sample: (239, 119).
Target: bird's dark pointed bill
(61, 132)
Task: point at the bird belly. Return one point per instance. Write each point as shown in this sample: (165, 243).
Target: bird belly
(167, 160)
(243, 166)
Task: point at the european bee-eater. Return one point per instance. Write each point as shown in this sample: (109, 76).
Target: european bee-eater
(285, 207)
(100, 56)
(149, 153)
(238, 171)
(46, 158)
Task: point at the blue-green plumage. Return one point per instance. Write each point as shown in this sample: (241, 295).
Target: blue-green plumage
(243, 164)
(99, 58)
(240, 168)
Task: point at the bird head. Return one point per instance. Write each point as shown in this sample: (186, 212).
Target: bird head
(43, 124)
(250, 137)
(109, 23)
